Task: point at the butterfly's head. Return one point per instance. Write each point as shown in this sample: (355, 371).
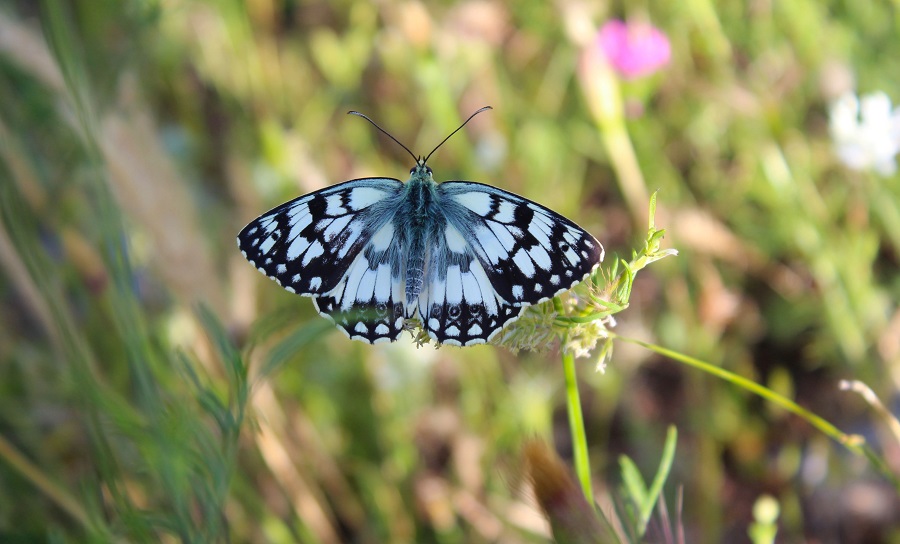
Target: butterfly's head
(420, 168)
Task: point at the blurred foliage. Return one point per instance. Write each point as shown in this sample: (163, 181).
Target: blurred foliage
(153, 386)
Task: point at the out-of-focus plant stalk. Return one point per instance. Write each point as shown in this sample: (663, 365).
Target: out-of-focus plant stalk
(853, 442)
(572, 518)
(601, 89)
(620, 49)
(37, 478)
(872, 400)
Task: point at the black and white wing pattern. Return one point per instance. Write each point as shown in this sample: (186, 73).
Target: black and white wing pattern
(374, 252)
(495, 254)
(337, 245)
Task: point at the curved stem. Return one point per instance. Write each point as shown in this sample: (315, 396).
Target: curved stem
(853, 442)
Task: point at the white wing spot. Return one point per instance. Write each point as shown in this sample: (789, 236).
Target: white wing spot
(335, 205)
(336, 227)
(518, 292)
(382, 239)
(471, 289)
(297, 247)
(454, 285)
(540, 256)
(383, 283)
(506, 213)
(433, 324)
(487, 238)
(523, 261)
(267, 245)
(353, 278)
(382, 329)
(474, 330)
(452, 331)
(363, 197)
(476, 201)
(314, 283)
(503, 235)
(361, 328)
(289, 289)
(487, 289)
(540, 230)
(455, 242)
(301, 219)
(554, 279)
(366, 286)
(538, 288)
(314, 251)
(568, 273)
(355, 230)
(295, 278)
(281, 269)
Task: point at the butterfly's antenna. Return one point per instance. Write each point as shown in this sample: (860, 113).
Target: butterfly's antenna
(385, 132)
(455, 131)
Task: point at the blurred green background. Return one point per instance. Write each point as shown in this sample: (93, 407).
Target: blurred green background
(154, 387)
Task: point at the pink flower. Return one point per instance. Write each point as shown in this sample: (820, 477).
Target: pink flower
(635, 49)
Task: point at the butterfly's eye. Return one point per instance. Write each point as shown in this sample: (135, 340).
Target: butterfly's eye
(412, 170)
(428, 170)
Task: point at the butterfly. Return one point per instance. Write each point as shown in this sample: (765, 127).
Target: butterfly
(461, 259)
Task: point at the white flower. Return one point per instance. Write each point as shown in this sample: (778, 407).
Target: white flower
(866, 132)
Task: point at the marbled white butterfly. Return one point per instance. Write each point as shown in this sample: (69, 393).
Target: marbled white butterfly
(461, 257)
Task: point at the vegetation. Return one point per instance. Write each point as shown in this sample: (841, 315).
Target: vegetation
(154, 387)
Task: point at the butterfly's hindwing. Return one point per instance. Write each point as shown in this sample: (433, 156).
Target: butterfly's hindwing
(459, 305)
(367, 303)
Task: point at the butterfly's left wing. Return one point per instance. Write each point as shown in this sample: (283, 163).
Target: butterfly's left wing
(337, 245)
(496, 254)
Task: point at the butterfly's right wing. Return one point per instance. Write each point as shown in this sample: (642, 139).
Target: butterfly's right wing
(338, 245)
(494, 253)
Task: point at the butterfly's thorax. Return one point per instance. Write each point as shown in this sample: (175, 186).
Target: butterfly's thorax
(420, 219)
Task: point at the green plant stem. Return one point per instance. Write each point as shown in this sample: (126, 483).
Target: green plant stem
(624, 161)
(852, 442)
(576, 426)
(576, 419)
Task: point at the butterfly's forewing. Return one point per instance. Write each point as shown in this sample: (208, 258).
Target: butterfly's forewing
(511, 253)
(336, 237)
